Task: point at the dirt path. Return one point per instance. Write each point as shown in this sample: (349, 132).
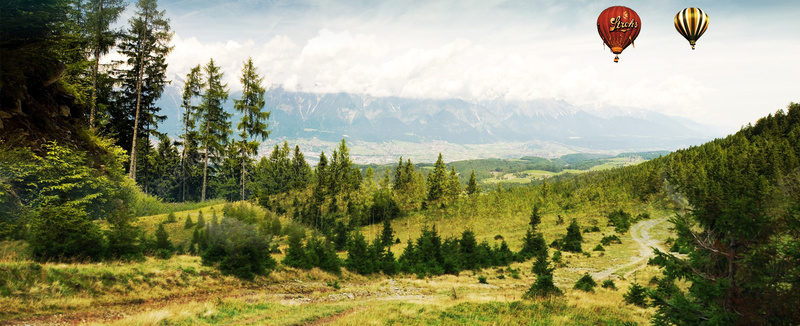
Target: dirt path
(641, 234)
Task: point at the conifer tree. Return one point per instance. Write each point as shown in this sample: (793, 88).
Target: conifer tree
(100, 14)
(191, 89)
(301, 172)
(215, 127)
(437, 180)
(146, 45)
(472, 185)
(254, 121)
(572, 241)
(544, 286)
(453, 184)
(387, 234)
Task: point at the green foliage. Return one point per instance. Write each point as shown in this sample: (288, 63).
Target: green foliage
(609, 239)
(586, 283)
(620, 220)
(742, 229)
(609, 284)
(254, 121)
(162, 239)
(636, 295)
(171, 218)
(188, 224)
(437, 180)
(532, 245)
(239, 249)
(482, 279)
(63, 232)
(472, 184)
(295, 254)
(544, 286)
(359, 258)
(214, 121)
(572, 240)
(599, 247)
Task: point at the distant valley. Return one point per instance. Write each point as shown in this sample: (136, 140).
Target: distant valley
(380, 129)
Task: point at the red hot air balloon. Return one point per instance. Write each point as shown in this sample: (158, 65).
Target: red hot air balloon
(618, 27)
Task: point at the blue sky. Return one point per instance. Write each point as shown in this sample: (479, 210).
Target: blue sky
(745, 66)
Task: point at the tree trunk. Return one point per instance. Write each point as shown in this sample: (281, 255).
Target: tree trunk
(93, 102)
(205, 167)
(243, 165)
(139, 77)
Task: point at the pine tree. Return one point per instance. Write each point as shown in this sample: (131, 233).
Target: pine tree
(254, 121)
(215, 127)
(453, 184)
(387, 234)
(536, 218)
(146, 44)
(544, 286)
(572, 241)
(162, 239)
(191, 89)
(437, 180)
(100, 14)
(472, 185)
(301, 172)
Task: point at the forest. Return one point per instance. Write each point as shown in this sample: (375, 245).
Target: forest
(83, 165)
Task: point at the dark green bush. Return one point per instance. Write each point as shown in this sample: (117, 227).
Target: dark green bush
(586, 283)
(239, 249)
(637, 295)
(64, 233)
(609, 284)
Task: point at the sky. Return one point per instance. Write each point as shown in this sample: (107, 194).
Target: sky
(745, 66)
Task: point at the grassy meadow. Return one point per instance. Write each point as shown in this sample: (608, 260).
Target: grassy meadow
(181, 291)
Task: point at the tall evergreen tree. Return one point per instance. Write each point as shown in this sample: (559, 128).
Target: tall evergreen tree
(437, 180)
(254, 121)
(191, 89)
(100, 14)
(472, 185)
(146, 44)
(215, 125)
(453, 184)
(301, 172)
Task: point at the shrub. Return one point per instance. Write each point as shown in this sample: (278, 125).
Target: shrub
(239, 249)
(544, 286)
(599, 247)
(171, 218)
(586, 283)
(637, 295)
(620, 220)
(557, 257)
(188, 224)
(64, 233)
(162, 239)
(482, 279)
(572, 241)
(609, 239)
(609, 284)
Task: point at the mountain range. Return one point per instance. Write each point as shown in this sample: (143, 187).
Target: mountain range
(364, 119)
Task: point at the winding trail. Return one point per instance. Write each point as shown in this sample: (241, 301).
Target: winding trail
(641, 234)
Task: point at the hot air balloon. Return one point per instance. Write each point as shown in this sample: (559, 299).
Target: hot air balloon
(618, 27)
(691, 23)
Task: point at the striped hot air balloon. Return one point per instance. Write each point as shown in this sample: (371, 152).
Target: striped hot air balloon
(691, 23)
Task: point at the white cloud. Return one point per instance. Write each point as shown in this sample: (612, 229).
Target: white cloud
(509, 49)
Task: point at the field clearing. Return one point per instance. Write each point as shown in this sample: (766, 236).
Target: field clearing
(181, 291)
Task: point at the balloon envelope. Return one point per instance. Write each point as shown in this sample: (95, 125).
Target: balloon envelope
(618, 26)
(691, 23)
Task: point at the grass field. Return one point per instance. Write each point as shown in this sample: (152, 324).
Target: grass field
(180, 291)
